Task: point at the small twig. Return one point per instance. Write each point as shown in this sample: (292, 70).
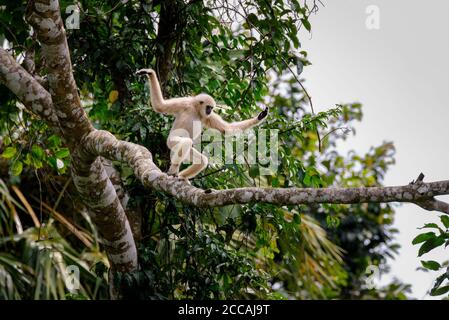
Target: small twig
(118, 4)
(346, 130)
(211, 173)
(419, 179)
(64, 188)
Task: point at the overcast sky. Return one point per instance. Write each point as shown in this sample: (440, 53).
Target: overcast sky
(400, 73)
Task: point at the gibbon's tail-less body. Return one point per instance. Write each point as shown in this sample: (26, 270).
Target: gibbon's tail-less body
(191, 114)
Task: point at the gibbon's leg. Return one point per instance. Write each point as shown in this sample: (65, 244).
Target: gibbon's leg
(180, 150)
(199, 164)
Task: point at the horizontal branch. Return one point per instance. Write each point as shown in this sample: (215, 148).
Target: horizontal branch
(139, 159)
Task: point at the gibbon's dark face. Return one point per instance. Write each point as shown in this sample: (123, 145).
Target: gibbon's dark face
(204, 104)
(209, 109)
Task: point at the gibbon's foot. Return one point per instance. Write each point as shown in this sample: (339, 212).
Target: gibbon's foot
(142, 72)
(263, 114)
(173, 170)
(184, 179)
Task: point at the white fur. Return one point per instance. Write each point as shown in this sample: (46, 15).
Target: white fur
(189, 112)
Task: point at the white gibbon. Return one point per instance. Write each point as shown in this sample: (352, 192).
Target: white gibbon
(189, 112)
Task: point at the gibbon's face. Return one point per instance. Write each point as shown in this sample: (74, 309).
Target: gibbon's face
(209, 109)
(205, 104)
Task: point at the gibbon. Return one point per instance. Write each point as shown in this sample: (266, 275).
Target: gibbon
(189, 112)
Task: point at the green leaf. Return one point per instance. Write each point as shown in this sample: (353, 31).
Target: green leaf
(54, 141)
(316, 181)
(306, 24)
(439, 291)
(332, 221)
(9, 152)
(297, 218)
(16, 168)
(423, 237)
(306, 180)
(430, 225)
(63, 153)
(432, 265)
(252, 18)
(445, 221)
(430, 244)
(254, 171)
(36, 162)
(37, 152)
(52, 162)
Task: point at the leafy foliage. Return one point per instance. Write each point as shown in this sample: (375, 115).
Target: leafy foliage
(34, 262)
(246, 54)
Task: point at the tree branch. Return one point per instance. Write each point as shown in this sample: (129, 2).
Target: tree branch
(27, 89)
(434, 205)
(140, 160)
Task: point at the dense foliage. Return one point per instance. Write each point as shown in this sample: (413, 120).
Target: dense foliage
(244, 53)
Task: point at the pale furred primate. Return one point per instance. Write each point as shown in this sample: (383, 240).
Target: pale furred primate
(191, 112)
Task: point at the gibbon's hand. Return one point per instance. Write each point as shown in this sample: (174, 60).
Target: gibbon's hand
(142, 72)
(263, 114)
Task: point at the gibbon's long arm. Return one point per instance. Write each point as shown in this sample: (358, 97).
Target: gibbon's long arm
(216, 122)
(159, 104)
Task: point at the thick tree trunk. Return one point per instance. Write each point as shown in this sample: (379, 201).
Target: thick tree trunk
(171, 23)
(89, 176)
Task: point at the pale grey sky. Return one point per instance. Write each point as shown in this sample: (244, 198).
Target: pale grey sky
(400, 73)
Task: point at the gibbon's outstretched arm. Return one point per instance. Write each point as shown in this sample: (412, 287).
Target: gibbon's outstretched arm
(159, 104)
(216, 122)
